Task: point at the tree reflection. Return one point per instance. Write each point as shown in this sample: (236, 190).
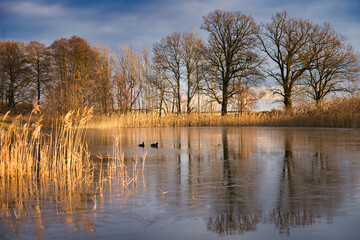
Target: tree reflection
(234, 178)
(305, 187)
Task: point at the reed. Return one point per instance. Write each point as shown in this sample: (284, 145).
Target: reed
(340, 112)
(38, 169)
(62, 154)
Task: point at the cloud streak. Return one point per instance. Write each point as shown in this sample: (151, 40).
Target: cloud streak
(33, 9)
(142, 23)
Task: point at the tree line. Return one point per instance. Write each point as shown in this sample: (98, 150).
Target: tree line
(182, 72)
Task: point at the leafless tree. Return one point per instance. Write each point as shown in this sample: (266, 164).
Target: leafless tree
(191, 55)
(15, 74)
(335, 63)
(148, 93)
(169, 56)
(248, 93)
(40, 60)
(284, 40)
(159, 80)
(75, 65)
(128, 76)
(231, 52)
(103, 93)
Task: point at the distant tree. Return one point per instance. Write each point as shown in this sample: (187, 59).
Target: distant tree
(334, 64)
(168, 52)
(15, 74)
(247, 92)
(148, 93)
(103, 93)
(159, 80)
(284, 40)
(128, 77)
(191, 55)
(75, 66)
(230, 53)
(2, 83)
(40, 61)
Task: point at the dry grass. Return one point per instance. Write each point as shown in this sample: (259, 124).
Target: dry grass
(38, 168)
(341, 112)
(28, 152)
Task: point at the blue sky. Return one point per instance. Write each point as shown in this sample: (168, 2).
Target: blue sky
(141, 23)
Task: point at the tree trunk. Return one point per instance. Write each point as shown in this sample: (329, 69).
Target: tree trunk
(38, 90)
(287, 100)
(178, 98)
(198, 90)
(225, 99)
(188, 109)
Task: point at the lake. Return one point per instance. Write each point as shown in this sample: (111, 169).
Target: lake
(208, 183)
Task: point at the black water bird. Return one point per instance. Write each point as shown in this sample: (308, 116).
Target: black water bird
(154, 145)
(142, 144)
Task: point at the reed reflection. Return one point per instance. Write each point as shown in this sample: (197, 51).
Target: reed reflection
(248, 176)
(30, 208)
(26, 206)
(236, 179)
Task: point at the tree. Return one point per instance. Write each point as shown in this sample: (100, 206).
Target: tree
(169, 56)
(15, 72)
(334, 64)
(75, 66)
(247, 92)
(40, 59)
(148, 93)
(191, 55)
(103, 91)
(159, 80)
(230, 52)
(128, 77)
(284, 40)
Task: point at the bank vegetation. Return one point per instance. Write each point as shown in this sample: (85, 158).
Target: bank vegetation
(184, 80)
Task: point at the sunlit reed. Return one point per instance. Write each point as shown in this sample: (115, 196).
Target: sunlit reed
(38, 168)
(341, 112)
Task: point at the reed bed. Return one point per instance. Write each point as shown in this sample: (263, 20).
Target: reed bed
(339, 113)
(39, 169)
(62, 154)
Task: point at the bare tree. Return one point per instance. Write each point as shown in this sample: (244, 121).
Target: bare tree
(335, 63)
(40, 60)
(15, 72)
(148, 93)
(247, 92)
(169, 56)
(191, 54)
(75, 66)
(103, 89)
(128, 77)
(230, 52)
(284, 41)
(159, 80)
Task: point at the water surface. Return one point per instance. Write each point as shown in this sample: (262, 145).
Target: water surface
(207, 183)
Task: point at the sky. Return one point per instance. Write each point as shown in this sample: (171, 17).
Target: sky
(142, 23)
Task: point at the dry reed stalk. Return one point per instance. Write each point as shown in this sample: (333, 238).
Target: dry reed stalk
(34, 165)
(340, 112)
(135, 171)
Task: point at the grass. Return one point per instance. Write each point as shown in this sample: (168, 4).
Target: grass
(38, 167)
(339, 113)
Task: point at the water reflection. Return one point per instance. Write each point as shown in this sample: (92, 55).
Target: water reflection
(28, 209)
(237, 180)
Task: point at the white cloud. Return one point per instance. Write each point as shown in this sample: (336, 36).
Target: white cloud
(31, 9)
(150, 22)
